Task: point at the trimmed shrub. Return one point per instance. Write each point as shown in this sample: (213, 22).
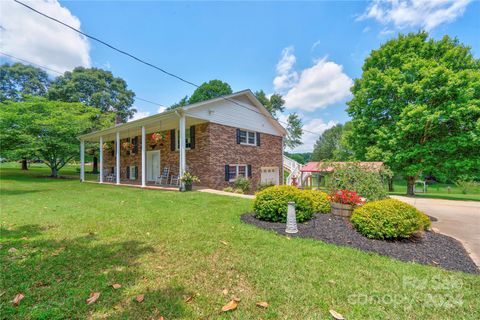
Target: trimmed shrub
(243, 184)
(388, 219)
(271, 203)
(263, 186)
(321, 204)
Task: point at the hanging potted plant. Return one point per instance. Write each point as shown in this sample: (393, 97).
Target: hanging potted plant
(156, 138)
(344, 201)
(128, 146)
(107, 146)
(188, 179)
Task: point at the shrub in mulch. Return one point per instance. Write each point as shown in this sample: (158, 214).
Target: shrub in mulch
(271, 203)
(431, 249)
(389, 219)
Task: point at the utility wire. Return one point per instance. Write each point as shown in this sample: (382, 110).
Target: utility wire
(148, 63)
(61, 73)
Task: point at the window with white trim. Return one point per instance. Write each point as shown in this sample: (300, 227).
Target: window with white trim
(237, 170)
(248, 137)
(188, 139)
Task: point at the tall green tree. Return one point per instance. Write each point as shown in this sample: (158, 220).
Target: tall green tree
(294, 131)
(206, 91)
(18, 80)
(333, 145)
(95, 88)
(210, 90)
(45, 129)
(327, 143)
(417, 108)
(273, 104)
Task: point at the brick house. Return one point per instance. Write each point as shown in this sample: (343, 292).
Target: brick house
(217, 140)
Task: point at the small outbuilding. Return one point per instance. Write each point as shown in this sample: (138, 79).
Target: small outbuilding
(315, 174)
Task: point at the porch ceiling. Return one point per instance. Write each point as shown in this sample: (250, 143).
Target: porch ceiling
(161, 122)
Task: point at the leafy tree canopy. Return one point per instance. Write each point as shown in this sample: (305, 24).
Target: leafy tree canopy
(301, 158)
(327, 143)
(206, 91)
(18, 80)
(46, 129)
(96, 88)
(417, 108)
(210, 90)
(294, 131)
(273, 104)
(333, 145)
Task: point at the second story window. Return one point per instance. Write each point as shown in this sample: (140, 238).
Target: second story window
(247, 137)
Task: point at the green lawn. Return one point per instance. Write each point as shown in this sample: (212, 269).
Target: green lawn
(439, 191)
(73, 239)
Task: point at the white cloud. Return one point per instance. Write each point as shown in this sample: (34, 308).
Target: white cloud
(286, 76)
(426, 14)
(29, 36)
(161, 109)
(312, 130)
(140, 115)
(319, 86)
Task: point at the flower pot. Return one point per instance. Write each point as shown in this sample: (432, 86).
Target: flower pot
(340, 209)
(188, 187)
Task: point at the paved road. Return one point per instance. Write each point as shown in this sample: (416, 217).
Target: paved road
(457, 219)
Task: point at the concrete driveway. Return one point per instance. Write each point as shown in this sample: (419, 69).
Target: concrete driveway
(457, 219)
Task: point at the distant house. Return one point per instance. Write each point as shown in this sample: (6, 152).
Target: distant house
(217, 140)
(315, 174)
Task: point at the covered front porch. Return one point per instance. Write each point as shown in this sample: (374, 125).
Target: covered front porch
(149, 152)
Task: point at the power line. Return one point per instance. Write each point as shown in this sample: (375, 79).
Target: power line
(61, 73)
(145, 62)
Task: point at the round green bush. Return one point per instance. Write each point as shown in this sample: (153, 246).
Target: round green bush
(271, 204)
(321, 204)
(388, 219)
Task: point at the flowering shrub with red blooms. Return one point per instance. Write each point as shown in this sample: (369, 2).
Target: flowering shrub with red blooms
(346, 197)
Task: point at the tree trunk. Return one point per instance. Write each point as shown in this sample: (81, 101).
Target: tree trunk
(95, 165)
(410, 186)
(390, 185)
(24, 164)
(54, 173)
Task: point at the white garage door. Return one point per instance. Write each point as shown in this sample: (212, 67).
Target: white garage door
(269, 175)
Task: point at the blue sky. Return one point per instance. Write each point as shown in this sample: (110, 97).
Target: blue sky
(309, 52)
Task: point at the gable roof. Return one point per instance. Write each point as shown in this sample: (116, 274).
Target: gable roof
(231, 98)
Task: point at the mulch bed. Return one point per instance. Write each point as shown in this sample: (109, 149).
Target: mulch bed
(432, 248)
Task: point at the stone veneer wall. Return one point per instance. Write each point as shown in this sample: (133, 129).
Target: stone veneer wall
(215, 146)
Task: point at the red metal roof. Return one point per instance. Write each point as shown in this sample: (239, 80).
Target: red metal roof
(322, 166)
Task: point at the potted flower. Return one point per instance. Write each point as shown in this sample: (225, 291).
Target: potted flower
(188, 179)
(107, 146)
(128, 146)
(156, 138)
(344, 201)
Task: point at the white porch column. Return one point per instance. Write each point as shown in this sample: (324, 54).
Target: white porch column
(101, 160)
(117, 158)
(144, 152)
(181, 137)
(82, 160)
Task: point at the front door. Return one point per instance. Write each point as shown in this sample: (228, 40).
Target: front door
(153, 165)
